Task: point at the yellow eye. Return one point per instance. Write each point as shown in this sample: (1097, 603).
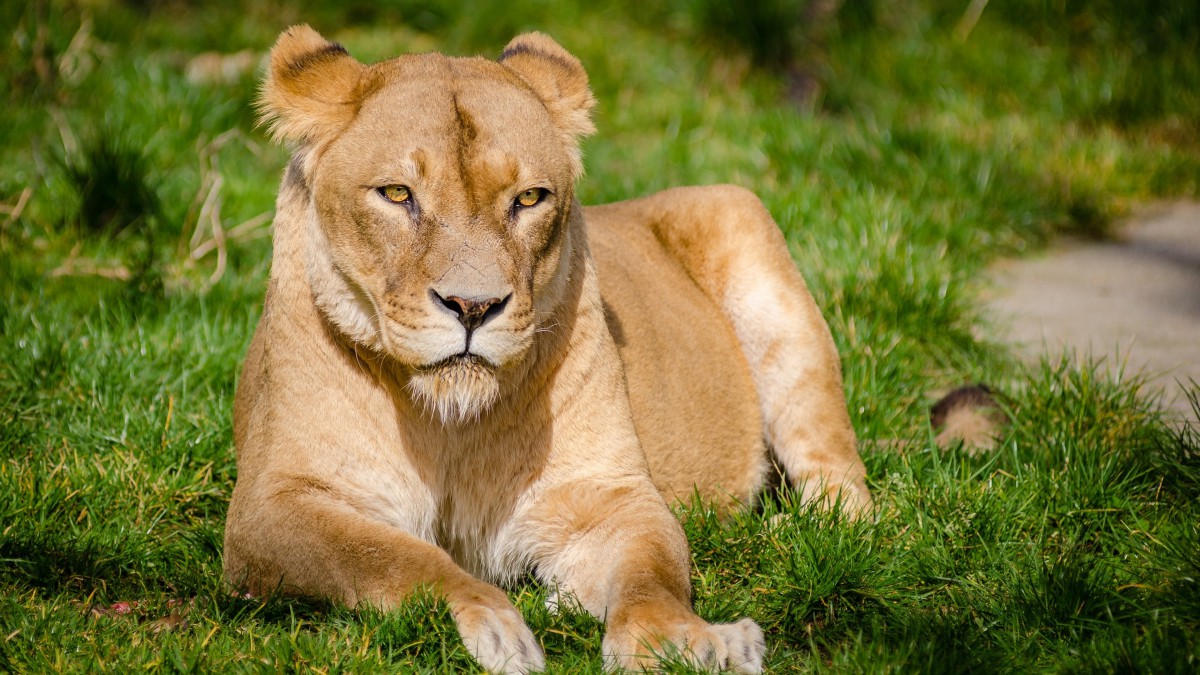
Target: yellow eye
(531, 197)
(397, 194)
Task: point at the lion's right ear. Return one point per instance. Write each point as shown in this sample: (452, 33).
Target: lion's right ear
(311, 88)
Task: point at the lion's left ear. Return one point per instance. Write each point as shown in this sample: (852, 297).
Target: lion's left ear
(559, 80)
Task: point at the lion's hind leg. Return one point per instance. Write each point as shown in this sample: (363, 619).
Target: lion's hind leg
(732, 248)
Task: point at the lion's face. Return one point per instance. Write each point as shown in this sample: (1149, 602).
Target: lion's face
(444, 208)
(440, 207)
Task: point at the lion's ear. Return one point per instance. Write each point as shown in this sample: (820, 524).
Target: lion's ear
(311, 87)
(557, 78)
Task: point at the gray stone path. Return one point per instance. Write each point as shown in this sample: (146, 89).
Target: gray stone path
(1134, 300)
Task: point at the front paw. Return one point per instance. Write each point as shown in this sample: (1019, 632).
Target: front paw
(498, 638)
(645, 642)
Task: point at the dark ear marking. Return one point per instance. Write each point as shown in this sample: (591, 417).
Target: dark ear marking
(513, 51)
(309, 59)
(522, 48)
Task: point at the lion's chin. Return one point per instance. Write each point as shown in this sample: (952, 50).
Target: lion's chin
(455, 390)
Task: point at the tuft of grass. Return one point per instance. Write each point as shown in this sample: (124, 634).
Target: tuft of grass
(113, 180)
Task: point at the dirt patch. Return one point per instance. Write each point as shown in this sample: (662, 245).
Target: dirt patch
(1133, 301)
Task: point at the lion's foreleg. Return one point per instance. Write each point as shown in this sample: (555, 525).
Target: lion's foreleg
(309, 543)
(622, 555)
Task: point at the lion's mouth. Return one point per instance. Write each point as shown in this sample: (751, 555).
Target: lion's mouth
(465, 360)
(456, 388)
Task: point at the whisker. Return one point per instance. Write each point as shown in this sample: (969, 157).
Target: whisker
(550, 328)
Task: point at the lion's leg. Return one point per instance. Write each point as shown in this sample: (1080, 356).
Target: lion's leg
(735, 252)
(298, 540)
(621, 554)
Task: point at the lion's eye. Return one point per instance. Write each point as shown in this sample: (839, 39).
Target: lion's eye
(531, 197)
(397, 194)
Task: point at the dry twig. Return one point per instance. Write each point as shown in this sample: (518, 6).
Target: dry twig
(74, 266)
(82, 54)
(207, 233)
(17, 209)
(969, 18)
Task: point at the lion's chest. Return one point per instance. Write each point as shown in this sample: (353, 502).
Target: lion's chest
(468, 516)
(468, 499)
(473, 532)
(477, 524)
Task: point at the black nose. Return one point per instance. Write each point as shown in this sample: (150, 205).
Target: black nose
(473, 313)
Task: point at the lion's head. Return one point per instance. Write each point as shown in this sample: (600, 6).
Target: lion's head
(440, 201)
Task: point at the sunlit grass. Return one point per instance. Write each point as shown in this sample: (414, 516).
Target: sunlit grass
(1073, 546)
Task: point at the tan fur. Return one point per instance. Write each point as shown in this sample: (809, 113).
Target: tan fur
(388, 441)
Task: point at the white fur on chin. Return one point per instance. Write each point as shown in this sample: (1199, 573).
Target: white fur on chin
(455, 390)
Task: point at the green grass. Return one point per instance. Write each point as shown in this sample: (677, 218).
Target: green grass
(1075, 546)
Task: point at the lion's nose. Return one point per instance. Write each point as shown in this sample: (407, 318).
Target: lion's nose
(472, 312)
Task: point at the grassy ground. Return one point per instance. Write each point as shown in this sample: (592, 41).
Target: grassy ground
(133, 253)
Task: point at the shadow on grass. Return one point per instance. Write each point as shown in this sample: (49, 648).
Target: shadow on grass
(54, 564)
(104, 567)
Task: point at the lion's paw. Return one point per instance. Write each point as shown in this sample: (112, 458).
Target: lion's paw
(738, 646)
(745, 645)
(499, 639)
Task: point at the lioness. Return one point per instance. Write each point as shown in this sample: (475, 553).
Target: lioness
(461, 375)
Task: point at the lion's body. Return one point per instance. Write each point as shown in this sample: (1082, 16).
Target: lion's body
(693, 400)
(461, 375)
